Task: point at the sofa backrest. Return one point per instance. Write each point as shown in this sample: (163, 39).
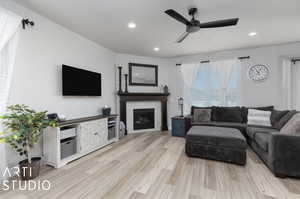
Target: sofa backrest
(230, 114)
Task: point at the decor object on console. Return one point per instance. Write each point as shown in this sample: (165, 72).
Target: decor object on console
(180, 103)
(106, 110)
(143, 74)
(24, 127)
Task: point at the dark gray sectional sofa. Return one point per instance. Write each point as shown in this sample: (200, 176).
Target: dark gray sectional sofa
(280, 152)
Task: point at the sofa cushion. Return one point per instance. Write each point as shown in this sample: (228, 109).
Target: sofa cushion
(202, 115)
(292, 126)
(244, 111)
(262, 140)
(227, 114)
(285, 119)
(277, 115)
(252, 130)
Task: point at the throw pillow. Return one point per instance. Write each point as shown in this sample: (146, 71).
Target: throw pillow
(245, 111)
(193, 108)
(227, 114)
(284, 119)
(276, 116)
(201, 115)
(292, 126)
(259, 118)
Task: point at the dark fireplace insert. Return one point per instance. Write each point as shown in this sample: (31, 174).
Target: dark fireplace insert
(143, 119)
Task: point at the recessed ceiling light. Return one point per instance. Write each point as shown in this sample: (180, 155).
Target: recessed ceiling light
(131, 25)
(156, 49)
(252, 34)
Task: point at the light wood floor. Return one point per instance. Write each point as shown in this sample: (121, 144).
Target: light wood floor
(154, 165)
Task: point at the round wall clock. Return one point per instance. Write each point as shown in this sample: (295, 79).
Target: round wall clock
(258, 72)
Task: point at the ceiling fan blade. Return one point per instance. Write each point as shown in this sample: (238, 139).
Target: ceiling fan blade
(182, 37)
(220, 23)
(177, 16)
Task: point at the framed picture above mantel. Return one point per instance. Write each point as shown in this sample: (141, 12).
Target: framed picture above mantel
(143, 74)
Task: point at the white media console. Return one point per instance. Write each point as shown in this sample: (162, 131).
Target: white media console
(73, 139)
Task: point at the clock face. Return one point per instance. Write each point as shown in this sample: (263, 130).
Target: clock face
(258, 73)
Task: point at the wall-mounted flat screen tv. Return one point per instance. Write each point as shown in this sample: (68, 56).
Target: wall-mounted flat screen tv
(79, 82)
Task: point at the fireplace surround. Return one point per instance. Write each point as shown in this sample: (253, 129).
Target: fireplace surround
(129, 97)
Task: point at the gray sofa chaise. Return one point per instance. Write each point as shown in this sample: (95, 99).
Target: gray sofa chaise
(280, 152)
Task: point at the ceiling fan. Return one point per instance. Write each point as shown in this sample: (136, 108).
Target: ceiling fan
(194, 25)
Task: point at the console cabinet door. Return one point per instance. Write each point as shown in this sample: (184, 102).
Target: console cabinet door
(93, 134)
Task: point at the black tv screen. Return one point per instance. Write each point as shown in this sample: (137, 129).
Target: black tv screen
(79, 82)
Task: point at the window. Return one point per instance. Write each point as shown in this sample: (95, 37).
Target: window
(217, 84)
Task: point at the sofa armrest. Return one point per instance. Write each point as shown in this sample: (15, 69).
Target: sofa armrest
(188, 121)
(284, 154)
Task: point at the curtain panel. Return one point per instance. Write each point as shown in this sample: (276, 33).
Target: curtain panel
(212, 84)
(9, 26)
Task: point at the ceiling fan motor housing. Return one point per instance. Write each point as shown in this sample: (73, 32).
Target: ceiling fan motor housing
(193, 27)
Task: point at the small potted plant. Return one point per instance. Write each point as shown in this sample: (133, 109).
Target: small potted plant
(24, 127)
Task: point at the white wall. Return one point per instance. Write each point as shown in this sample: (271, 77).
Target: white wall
(167, 75)
(255, 94)
(37, 76)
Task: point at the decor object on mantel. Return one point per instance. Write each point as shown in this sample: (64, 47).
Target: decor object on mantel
(180, 103)
(24, 127)
(126, 83)
(162, 97)
(120, 79)
(143, 74)
(166, 89)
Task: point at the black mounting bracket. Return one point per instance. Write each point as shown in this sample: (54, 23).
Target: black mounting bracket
(193, 11)
(26, 22)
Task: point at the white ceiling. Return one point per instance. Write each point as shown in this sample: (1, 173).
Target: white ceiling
(105, 22)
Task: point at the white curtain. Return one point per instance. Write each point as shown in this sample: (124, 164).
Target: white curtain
(188, 73)
(9, 26)
(287, 82)
(213, 83)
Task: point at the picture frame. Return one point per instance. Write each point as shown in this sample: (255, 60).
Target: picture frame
(143, 74)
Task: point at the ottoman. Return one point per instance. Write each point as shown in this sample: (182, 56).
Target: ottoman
(216, 143)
